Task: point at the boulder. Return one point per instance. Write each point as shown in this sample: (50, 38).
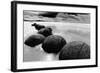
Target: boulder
(34, 40)
(45, 31)
(75, 50)
(53, 44)
(38, 26)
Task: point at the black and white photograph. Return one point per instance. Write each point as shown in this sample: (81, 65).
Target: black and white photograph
(49, 36)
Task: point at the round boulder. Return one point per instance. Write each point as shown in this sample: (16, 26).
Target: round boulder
(53, 44)
(45, 31)
(34, 40)
(75, 50)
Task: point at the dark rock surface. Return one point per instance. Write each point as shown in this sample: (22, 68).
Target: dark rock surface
(45, 31)
(53, 44)
(38, 26)
(34, 40)
(49, 14)
(75, 50)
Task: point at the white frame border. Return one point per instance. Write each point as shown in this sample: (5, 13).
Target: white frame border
(28, 65)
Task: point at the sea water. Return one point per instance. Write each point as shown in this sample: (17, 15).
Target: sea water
(69, 31)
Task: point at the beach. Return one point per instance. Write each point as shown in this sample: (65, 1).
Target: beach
(69, 31)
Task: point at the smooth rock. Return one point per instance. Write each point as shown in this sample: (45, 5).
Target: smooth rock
(75, 50)
(38, 26)
(45, 31)
(53, 44)
(34, 40)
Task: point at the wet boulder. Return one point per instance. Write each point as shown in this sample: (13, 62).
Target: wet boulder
(38, 26)
(34, 40)
(53, 44)
(45, 31)
(75, 50)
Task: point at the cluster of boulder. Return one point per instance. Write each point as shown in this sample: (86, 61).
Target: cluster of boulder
(57, 44)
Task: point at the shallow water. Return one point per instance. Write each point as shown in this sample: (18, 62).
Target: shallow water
(70, 31)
